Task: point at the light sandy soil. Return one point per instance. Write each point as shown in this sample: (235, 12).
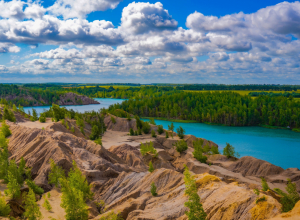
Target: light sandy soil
(115, 138)
(57, 212)
(37, 124)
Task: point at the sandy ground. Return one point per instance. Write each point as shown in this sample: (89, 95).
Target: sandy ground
(37, 124)
(115, 138)
(55, 200)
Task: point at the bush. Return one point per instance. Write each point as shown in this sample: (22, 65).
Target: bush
(98, 141)
(128, 117)
(73, 130)
(229, 151)
(139, 123)
(5, 129)
(198, 151)
(113, 120)
(167, 134)
(153, 189)
(196, 211)
(160, 129)
(82, 130)
(261, 199)
(32, 210)
(136, 133)
(13, 188)
(95, 133)
(146, 127)
(206, 148)
(8, 115)
(290, 198)
(34, 115)
(4, 208)
(151, 168)
(171, 128)
(36, 189)
(181, 146)
(111, 216)
(139, 131)
(151, 121)
(264, 184)
(153, 133)
(42, 118)
(131, 132)
(148, 148)
(180, 132)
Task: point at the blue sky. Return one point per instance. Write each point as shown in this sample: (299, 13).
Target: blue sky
(233, 42)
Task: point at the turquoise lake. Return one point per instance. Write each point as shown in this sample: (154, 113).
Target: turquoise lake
(279, 147)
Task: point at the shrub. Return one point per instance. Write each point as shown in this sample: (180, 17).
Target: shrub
(261, 199)
(139, 131)
(5, 129)
(111, 216)
(136, 133)
(95, 133)
(4, 208)
(151, 168)
(82, 130)
(47, 204)
(290, 198)
(181, 146)
(131, 132)
(36, 189)
(32, 210)
(167, 134)
(206, 148)
(8, 115)
(55, 174)
(48, 195)
(229, 151)
(113, 120)
(42, 118)
(198, 151)
(139, 123)
(160, 129)
(215, 150)
(180, 132)
(153, 133)
(153, 189)
(98, 141)
(151, 121)
(146, 127)
(34, 115)
(196, 211)
(148, 148)
(73, 130)
(171, 128)
(128, 117)
(264, 184)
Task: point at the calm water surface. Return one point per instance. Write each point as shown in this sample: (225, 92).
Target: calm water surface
(104, 103)
(280, 147)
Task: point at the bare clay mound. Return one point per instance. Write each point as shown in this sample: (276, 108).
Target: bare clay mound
(119, 174)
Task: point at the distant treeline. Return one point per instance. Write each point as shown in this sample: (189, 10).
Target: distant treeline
(227, 108)
(285, 94)
(238, 87)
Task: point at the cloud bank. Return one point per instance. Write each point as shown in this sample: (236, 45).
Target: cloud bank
(148, 45)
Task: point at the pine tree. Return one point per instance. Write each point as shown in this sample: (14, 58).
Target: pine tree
(229, 151)
(4, 207)
(171, 128)
(13, 188)
(264, 184)
(151, 168)
(32, 210)
(47, 204)
(153, 189)
(5, 129)
(55, 174)
(196, 211)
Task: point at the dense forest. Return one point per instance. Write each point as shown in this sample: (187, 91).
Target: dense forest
(285, 94)
(227, 108)
(238, 87)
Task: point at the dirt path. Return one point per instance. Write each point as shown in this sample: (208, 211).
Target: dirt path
(36, 124)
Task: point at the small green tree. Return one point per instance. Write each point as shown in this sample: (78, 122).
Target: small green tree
(198, 151)
(139, 131)
(111, 216)
(160, 129)
(73, 202)
(153, 189)
(131, 132)
(264, 184)
(113, 120)
(98, 141)
(4, 207)
(148, 148)
(136, 133)
(153, 134)
(34, 115)
(181, 146)
(290, 198)
(151, 121)
(13, 188)
(36, 189)
(47, 204)
(5, 129)
(95, 133)
(42, 118)
(151, 168)
(206, 148)
(78, 181)
(167, 134)
(32, 210)
(139, 123)
(215, 150)
(229, 151)
(56, 173)
(171, 128)
(180, 132)
(196, 211)
(128, 117)
(146, 127)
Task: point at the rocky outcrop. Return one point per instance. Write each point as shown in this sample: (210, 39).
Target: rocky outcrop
(75, 99)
